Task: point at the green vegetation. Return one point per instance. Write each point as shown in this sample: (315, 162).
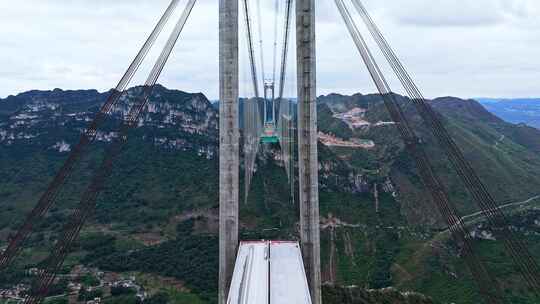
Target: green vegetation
(122, 299)
(87, 295)
(177, 297)
(190, 258)
(157, 214)
(60, 300)
(355, 295)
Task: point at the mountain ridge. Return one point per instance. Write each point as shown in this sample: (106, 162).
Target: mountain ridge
(162, 195)
(515, 110)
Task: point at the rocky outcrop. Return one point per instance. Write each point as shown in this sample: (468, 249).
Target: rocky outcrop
(173, 119)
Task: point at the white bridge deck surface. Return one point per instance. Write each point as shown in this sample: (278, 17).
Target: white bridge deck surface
(269, 272)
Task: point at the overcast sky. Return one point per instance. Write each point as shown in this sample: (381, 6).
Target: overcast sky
(466, 48)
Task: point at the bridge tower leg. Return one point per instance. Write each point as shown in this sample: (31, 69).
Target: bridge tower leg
(229, 157)
(307, 145)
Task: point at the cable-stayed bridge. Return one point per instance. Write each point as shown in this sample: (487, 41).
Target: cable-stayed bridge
(278, 271)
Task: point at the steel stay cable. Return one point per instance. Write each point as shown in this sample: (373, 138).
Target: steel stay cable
(495, 216)
(150, 41)
(277, 9)
(385, 52)
(410, 140)
(251, 144)
(285, 49)
(87, 204)
(261, 46)
(395, 109)
(251, 53)
(50, 195)
(285, 127)
(84, 140)
(73, 227)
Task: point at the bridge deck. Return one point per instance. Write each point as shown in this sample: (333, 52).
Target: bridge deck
(269, 272)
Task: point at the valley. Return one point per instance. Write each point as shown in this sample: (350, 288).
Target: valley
(156, 224)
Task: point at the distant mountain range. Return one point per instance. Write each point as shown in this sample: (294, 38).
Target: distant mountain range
(525, 110)
(157, 218)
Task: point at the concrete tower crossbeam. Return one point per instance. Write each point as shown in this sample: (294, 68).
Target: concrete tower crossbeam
(307, 145)
(229, 157)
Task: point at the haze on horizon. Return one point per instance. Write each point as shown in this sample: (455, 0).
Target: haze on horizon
(466, 48)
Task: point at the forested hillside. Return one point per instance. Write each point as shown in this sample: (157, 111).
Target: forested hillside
(156, 222)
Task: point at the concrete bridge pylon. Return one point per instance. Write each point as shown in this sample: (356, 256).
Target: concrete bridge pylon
(307, 144)
(229, 143)
(308, 162)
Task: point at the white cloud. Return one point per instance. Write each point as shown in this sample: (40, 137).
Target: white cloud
(464, 13)
(465, 48)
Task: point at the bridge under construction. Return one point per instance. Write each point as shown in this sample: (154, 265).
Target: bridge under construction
(278, 271)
